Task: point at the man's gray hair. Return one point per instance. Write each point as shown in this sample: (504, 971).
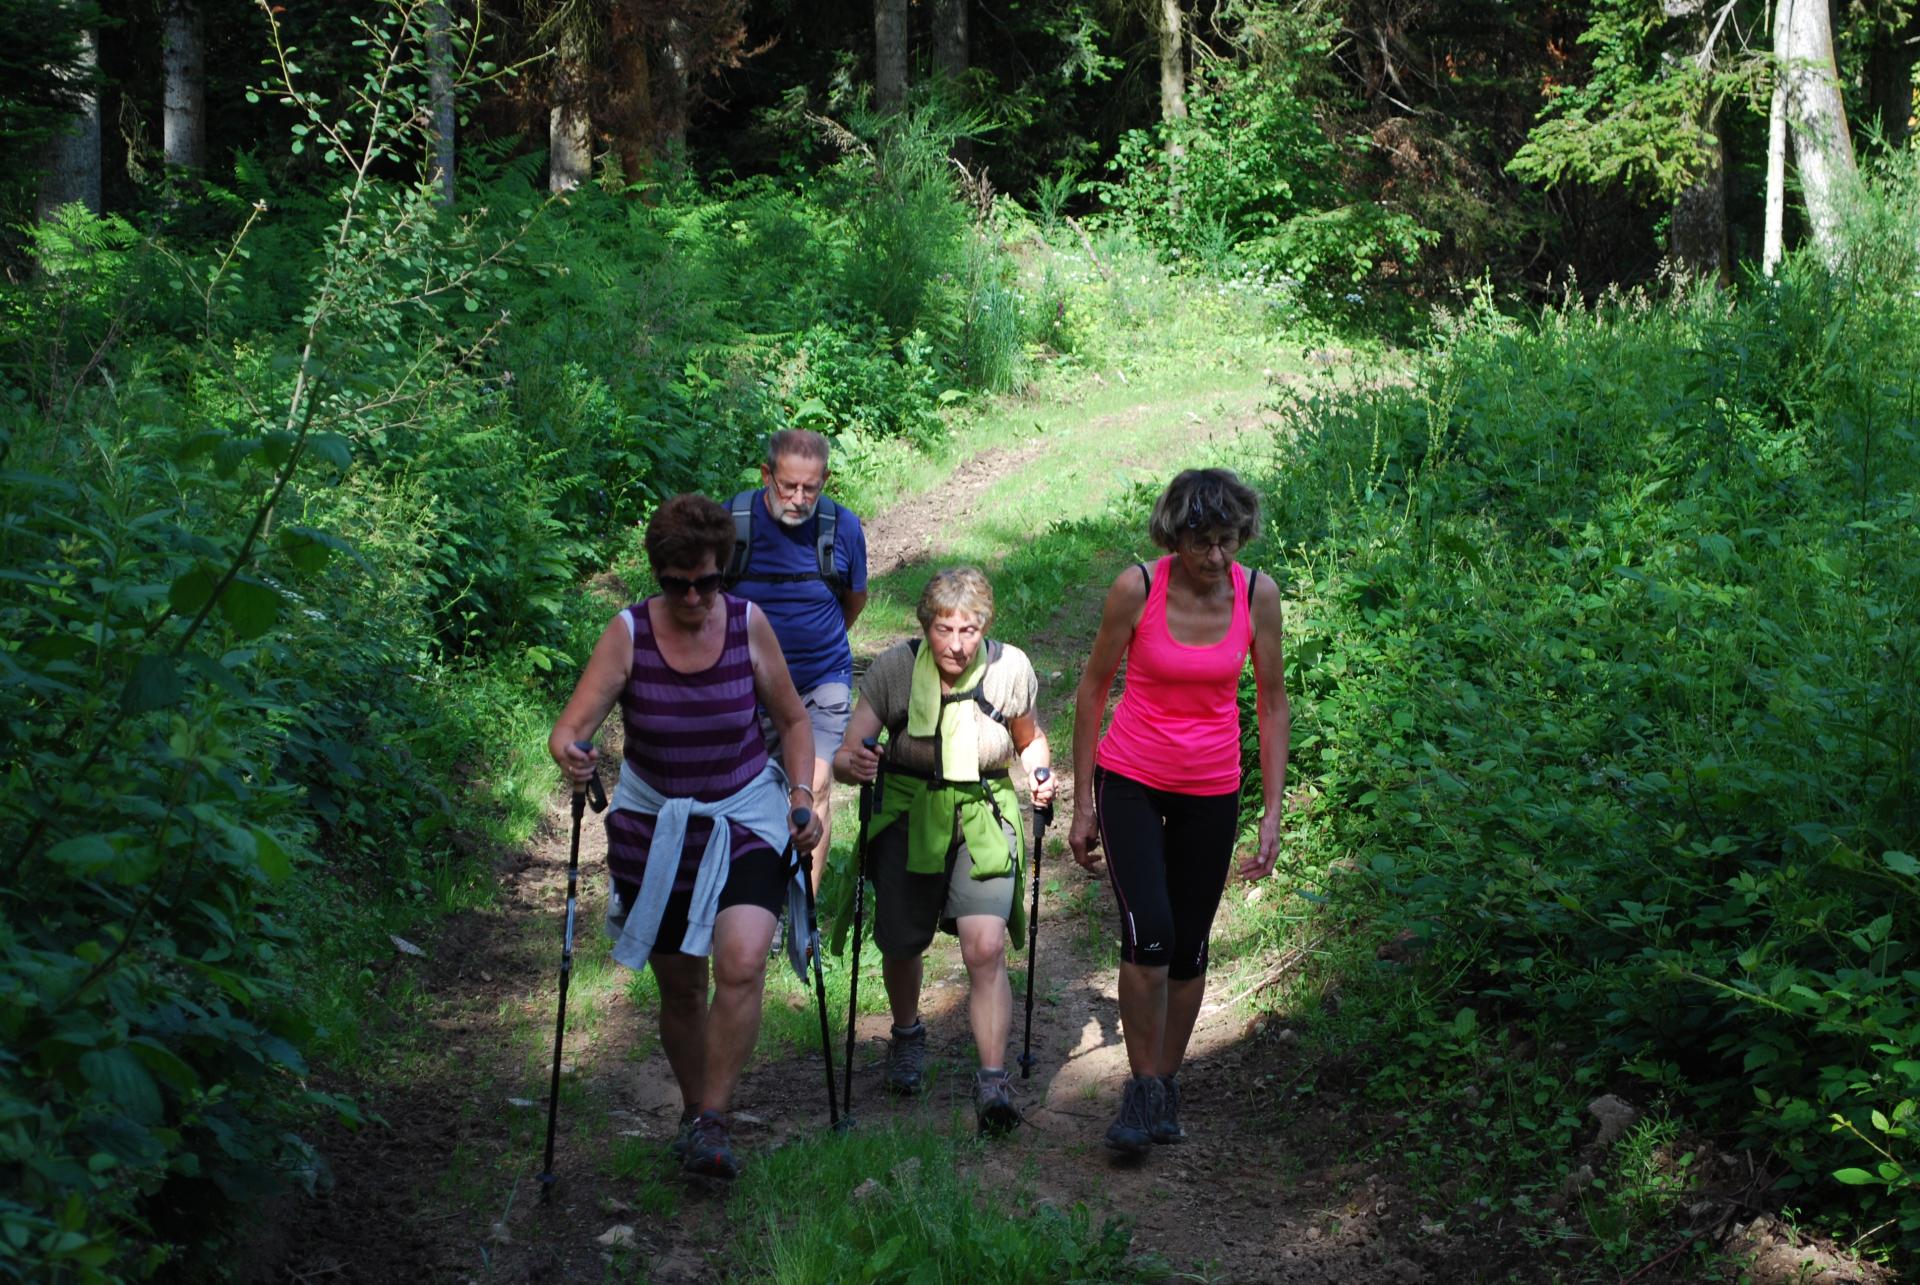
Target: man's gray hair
(803, 442)
(956, 589)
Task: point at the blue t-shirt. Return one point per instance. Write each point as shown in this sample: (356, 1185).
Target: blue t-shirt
(805, 614)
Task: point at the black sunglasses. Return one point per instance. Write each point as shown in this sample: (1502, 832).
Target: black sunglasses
(677, 586)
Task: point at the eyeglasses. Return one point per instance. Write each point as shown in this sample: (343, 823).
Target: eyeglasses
(1228, 545)
(677, 586)
(797, 490)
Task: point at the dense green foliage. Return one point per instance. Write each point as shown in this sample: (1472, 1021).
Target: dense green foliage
(293, 521)
(1607, 689)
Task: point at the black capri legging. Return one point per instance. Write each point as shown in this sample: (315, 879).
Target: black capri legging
(1166, 906)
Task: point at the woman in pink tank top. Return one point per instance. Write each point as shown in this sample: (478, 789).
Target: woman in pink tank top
(1161, 790)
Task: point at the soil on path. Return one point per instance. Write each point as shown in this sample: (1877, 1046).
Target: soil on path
(1264, 1189)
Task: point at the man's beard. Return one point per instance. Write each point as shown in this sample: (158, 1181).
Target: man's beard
(789, 518)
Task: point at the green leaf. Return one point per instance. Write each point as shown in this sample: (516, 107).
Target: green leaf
(331, 448)
(279, 447)
(1901, 863)
(84, 854)
(191, 592)
(307, 553)
(250, 607)
(118, 1075)
(273, 859)
(1855, 1177)
(154, 684)
(163, 1062)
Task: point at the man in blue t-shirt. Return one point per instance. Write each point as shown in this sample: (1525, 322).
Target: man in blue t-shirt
(795, 534)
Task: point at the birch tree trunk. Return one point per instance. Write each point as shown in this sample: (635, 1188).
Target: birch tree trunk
(440, 95)
(1816, 119)
(889, 54)
(569, 131)
(1773, 239)
(1173, 73)
(184, 100)
(71, 169)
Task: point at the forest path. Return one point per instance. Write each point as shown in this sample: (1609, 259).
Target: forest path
(446, 1190)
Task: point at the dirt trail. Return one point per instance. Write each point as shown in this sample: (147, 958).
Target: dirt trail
(1260, 1192)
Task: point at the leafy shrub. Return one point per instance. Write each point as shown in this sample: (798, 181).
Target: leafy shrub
(1604, 666)
(1259, 179)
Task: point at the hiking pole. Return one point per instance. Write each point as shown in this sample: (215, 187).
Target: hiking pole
(1042, 815)
(800, 817)
(581, 792)
(868, 791)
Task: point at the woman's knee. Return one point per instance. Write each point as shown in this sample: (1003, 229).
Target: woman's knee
(742, 936)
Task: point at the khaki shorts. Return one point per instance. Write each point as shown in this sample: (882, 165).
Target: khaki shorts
(829, 709)
(908, 907)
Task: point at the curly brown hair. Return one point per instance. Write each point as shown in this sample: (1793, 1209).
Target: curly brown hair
(685, 529)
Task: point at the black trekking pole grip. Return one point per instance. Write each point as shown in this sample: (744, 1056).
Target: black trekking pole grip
(1042, 817)
(592, 791)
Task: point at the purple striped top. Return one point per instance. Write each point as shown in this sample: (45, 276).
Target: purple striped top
(687, 735)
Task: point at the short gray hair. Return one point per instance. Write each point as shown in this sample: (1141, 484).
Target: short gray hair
(1203, 500)
(803, 442)
(956, 589)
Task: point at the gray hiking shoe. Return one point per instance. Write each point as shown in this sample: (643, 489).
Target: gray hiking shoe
(1166, 1125)
(684, 1138)
(907, 1058)
(709, 1151)
(993, 1103)
(1142, 1101)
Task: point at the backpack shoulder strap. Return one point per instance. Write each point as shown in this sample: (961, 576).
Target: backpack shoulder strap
(1146, 576)
(741, 508)
(826, 527)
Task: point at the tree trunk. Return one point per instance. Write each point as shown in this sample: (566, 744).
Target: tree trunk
(1890, 80)
(569, 131)
(440, 94)
(1816, 118)
(950, 38)
(184, 106)
(674, 101)
(1773, 239)
(1698, 239)
(889, 54)
(1173, 73)
(71, 170)
(629, 121)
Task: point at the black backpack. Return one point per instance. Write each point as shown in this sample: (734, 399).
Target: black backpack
(827, 519)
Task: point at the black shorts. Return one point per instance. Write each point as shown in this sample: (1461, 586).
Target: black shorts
(1168, 856)
(757, 879)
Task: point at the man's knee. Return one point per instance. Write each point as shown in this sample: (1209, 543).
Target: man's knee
(984, 947)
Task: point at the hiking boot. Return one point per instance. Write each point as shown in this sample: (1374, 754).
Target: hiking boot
(1142, 1102)
(709, 1151)
(993, 1103)
(684, 1138)
(907, 1058)
(1166, 1125)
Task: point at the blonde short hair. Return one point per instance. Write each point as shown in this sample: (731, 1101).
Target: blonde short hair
(956, 589)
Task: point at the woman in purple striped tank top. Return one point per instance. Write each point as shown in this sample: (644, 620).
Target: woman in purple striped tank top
(700, 816)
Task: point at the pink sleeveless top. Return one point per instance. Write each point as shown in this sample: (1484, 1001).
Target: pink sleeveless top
(1178, 724)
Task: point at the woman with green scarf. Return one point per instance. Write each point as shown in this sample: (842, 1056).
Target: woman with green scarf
(945, 847)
